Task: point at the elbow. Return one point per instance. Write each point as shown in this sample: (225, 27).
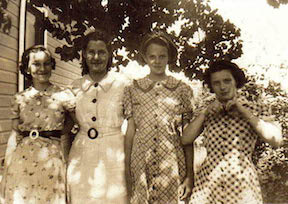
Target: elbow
(277, 140)
(185, 141)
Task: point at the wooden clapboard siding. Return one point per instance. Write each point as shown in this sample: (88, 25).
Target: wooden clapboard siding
(73, 67)
(4, 136)
(65, 72)
(5, 101)
(8, 64)
(7, 76)
(8, 52)
(8, 73)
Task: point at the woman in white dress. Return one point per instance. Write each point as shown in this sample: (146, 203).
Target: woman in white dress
(96, 161)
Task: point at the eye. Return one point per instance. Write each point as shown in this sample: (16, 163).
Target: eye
(47, 63)
(227, 81)
(36, 64)
(90, 52)
(102, 52)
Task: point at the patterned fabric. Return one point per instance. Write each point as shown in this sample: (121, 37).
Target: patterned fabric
(35, 169)
(228, 175)
(157, 159)
(96, 166)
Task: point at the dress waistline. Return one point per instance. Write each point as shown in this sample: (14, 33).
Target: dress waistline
(101, 132)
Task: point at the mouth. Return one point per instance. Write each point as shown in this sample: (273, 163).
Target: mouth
(43, 74)
(224, 93)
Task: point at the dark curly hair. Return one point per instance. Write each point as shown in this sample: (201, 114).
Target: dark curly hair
(220, 65)
(101, 35)
(159, 38)
(26, 57)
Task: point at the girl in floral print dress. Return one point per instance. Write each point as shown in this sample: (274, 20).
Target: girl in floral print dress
(156, 169)
(34, 163)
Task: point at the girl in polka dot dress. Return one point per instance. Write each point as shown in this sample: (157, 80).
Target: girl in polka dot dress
(231, 126)
(35, 169)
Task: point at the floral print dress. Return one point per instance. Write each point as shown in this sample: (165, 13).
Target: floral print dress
(35, 169)
(157, 158)
(227, 174)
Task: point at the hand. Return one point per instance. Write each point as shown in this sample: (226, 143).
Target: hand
(213, 108)
(235, 103)
(185, 189)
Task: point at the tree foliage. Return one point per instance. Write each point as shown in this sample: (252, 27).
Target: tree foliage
(128, 20)
(271, 164)
(277, 3)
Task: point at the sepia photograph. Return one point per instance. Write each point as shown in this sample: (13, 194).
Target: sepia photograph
(143, 102)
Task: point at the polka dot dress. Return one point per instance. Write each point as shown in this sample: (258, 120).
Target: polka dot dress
(228, 174)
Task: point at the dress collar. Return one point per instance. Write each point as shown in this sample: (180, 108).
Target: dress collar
(146, 84)
(105, 83)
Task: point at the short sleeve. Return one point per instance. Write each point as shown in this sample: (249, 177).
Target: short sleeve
(262, 111)
(14, 107)
(186, 97)
(68, 100)
(127, 103)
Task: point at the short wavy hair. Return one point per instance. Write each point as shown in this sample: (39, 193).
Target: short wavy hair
(96, 35)
(219, 65)
(24, 64)
(159, 38)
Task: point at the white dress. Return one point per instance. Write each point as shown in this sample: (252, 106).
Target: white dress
(96, 166)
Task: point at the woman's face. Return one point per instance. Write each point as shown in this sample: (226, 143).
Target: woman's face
(156, 58)
(224, 85)
(96, 56)
(40, 66)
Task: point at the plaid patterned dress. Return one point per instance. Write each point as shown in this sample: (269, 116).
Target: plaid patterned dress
(157, 159)
(228, 175)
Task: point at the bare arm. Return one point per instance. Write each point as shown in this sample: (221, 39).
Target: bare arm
(131, 129)
(269, 131)
(186, 188)
(194, 129)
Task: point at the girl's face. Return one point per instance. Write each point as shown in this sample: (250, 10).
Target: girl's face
(156, 58)
(40, 66)
(224, 85)
(96, 56)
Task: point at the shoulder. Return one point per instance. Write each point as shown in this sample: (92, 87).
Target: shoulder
(23, 96)
(119, 78)
(76, 83)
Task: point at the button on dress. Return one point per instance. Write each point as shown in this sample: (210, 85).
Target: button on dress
(35, 169)
(157, 158)
(96, 163)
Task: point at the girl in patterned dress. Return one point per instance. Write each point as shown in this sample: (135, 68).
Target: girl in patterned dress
(155, 159)
(35, 169)
(231, 126)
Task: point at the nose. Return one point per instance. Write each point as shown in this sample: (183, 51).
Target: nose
(222, 86)
(96, 56)
(157, 60)
(42, 67)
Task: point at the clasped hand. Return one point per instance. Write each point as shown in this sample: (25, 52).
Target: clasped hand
(216, 106)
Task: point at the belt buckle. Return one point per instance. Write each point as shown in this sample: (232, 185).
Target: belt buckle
(95, 132)
(34, 134)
